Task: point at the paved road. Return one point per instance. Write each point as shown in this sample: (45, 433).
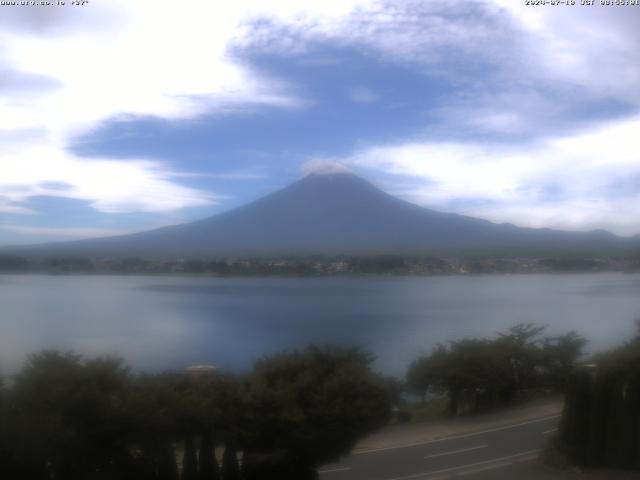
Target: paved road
(500, 452)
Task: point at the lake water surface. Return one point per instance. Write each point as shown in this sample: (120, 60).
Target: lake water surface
(171, 322)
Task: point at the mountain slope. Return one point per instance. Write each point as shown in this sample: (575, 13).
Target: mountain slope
(339, 213)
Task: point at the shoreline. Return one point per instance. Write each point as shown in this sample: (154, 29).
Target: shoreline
(319, 275)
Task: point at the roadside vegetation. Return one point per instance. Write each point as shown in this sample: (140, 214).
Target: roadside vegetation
(600, 426)
(478, 374)
(63, 417)
(601, 423)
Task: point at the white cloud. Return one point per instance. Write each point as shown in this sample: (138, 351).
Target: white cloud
(160, 59)
(512, 69)
(111, 186)
(593, 47)
(416, 32)
(121, 59)
(63, 232)
(320, 166)
(582, 181)
(7, 207)
(546, 75)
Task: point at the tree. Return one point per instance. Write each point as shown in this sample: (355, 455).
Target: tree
(172, 407)
(230, 467)
(18, 458)
(472, 368)
(310, 407)
(477, 369)
(70, 416)
(167, 467)
(521, 345)
(559, 357)
(601, 421)
(428, 372)
(481, 373)
(189, 461)
(153, 408)
(208, 465)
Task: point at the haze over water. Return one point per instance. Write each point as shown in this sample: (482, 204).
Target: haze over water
(171, 322)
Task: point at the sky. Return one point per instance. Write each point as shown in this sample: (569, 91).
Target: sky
(119, 116)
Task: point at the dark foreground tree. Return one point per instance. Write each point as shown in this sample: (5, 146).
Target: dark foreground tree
(71, 416)
(472, 373)
(477, 373)
(189, 461)
(230, 467)
(601, 421)
(167, 468)
(427, 374)
(208, 464)
(308, 408)
(66, 418)
(559, 357)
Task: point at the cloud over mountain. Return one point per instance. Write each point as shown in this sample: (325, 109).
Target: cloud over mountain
(338, 213)
(435, 94)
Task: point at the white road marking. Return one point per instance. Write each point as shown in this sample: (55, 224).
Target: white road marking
(524, 458)
(485, 468)
(470, 465)
(457, 437)
(462, 450)
(547, 432)
(333, 470)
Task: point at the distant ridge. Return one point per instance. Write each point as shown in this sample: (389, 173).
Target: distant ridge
(332, 213)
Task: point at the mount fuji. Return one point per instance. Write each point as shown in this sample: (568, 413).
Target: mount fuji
(338, 213)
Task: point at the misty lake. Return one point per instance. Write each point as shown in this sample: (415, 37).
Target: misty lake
(171, 322)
